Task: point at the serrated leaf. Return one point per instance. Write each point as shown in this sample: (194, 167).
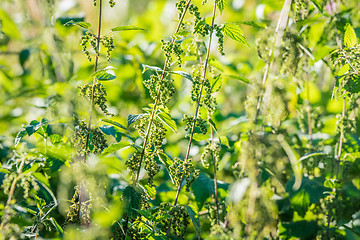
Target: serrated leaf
(110, 130)
(119, 125)
(184, 74)
(234, 32)
(244, 80)
(84, 25)
(104, 76)
(254, 24)
(145, 214)
(149, 190)
(131, 201)
(221, 5)
(128, 28)
(167, 120)
(133, 118)
(350, 39)
(114, 147)
(203, 188)
(195, 220)
(152, 68)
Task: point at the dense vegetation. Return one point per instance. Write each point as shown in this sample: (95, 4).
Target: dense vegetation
(186, 119)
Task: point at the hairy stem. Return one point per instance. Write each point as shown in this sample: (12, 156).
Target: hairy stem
(153, 112)
(197, 109)
(215, 180)
(82, 189)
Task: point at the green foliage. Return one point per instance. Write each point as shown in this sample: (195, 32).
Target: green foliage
(144, 130)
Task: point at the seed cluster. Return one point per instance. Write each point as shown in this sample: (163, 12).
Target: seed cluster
(25, 181)
(89, 39)
(170, 48)
(210, 155)
(97, 141)
(167, 89)
(99, 95)
(201, 123)
(183, 169)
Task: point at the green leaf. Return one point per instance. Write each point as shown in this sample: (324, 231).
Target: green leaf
(149, 190)
(8, 26)
(184, 74)
(203, 188)
(244, 80)
(57, 226)
(3, 170)
(167, 120)
(19, 136)
(145, 214)
(309, 192)
(299, 230)
(127, 28)
(224, 141)
(152, 68)
(332, 183)
(110, 130)
(131, 201)
(212, 124)
(350, 39)
(257, 25)
(166, 160)
(84, 25)
(234, 32)
(116, 124)
(114, 147)
(309, 155)
(221, 5)
(104, 76)
(133, 118)
(195, 220)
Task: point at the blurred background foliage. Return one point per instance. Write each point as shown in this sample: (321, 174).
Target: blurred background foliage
(42, 66)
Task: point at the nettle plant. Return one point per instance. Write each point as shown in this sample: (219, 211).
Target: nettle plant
(78, 147)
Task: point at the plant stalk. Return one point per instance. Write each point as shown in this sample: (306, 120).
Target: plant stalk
(82, 189)
(197, 109)
(153, 112)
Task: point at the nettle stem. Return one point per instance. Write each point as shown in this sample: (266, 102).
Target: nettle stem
(215, 179)
(94, 78)
(196, 111)
(279, 31)
(153, 112)
(82, 188)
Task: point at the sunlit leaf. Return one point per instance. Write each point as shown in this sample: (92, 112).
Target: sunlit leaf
(350, 39)
(234, 32)
(127, 28)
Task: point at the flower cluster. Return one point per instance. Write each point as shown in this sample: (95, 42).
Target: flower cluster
(165, 86)
(201, 123)
(210, 155)
(97, 141)
(220, 35)
(25, 181)
(183, 169)
(170, 48)
(108, 43)
(98, 92)
(88, 39)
